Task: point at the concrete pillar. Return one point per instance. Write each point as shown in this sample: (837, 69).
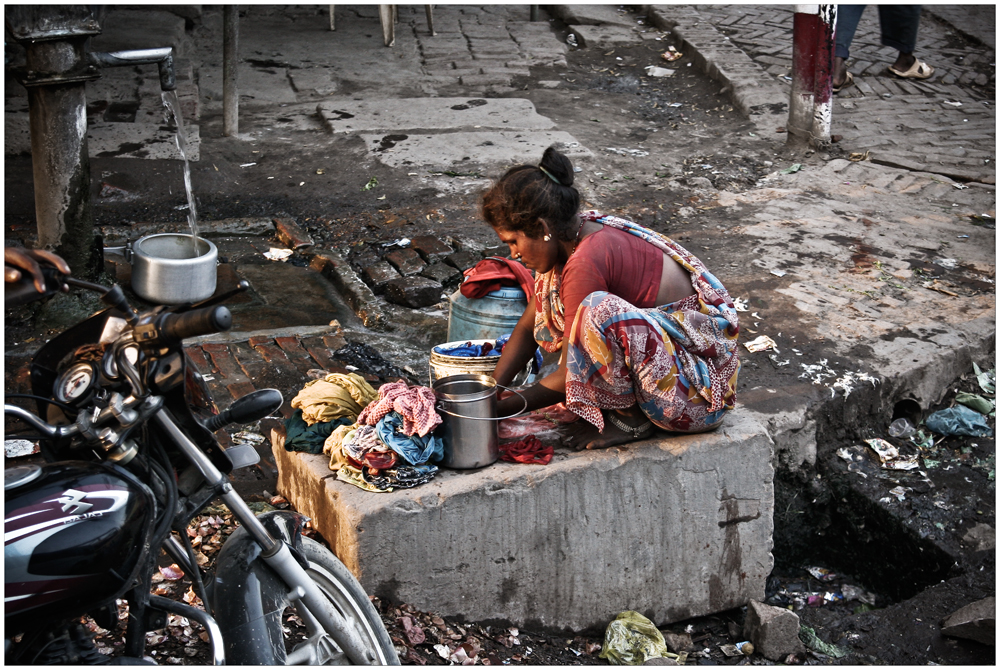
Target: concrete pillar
(810, 106)
(230, 68)
(60, 160)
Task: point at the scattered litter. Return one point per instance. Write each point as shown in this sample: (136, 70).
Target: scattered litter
(846, 454)
(817, 373)
(372, 183)
(822, 574)
(15, 448)
(246, 437)
(635, 153)
(947, 263)
(934, 286)
(901, 428)
(777, 363)
(808, 637)
(656, 71)
(746, 648)
(730, 650)
(761, 343)
(740, 304)
(276, 254)
(248, 165)
(899, 492)
(671, 54)
(181, 208)
(846, 383)
(792, 169)
(857, 157)
(958, 420)
(778, 273)
(952, 103)
(987, 379)
(401, 242)
(571, 40)
(960, 187)
(888, 454)
(632, 639)
(977, 402)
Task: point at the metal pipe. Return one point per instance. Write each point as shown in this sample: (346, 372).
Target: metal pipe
(202, 617)
(230, 69)
(162, 56)
(811, 102)
(533, 12)
(47, 429)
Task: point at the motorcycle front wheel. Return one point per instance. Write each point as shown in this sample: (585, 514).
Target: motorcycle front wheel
(349, 599)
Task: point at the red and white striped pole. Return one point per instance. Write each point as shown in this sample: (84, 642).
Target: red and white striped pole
(810, 106)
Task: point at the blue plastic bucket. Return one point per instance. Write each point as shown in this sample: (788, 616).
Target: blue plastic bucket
(486, 318)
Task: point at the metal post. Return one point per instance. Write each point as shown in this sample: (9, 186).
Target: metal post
(230, 67)
(810, 106)
(533, 12)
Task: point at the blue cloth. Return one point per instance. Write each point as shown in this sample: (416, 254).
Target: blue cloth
(299, 436)
(959, 420)
(898, 23)
(467, 349)
(414, 449)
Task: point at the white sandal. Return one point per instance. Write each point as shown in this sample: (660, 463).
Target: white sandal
(919, 70)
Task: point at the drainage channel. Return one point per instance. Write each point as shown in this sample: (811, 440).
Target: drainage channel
(852, 536)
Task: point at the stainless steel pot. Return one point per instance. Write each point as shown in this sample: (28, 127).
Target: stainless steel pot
(166, 270)
(468, 407)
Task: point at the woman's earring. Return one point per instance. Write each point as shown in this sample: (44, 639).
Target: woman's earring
(546, 238)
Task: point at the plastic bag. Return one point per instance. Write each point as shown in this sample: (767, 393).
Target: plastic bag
(959, 420)
(976, 402)
(632, 639)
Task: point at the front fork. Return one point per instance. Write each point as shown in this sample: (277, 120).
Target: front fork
(274, 552)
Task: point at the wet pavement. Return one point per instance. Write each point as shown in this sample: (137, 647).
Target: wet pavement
(882, 266)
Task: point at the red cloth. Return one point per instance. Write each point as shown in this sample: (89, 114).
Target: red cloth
(414, 403)
(493, 273)
(615, 261)
(528, 450)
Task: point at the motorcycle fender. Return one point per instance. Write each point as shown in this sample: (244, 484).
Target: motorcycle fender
(249, 596)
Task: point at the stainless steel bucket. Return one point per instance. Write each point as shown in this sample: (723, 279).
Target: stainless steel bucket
(468, 406)
(166, 270)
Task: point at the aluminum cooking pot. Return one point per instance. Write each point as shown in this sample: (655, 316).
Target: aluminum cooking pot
(167, 271)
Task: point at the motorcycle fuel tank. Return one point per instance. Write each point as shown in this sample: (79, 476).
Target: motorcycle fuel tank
(74, 536)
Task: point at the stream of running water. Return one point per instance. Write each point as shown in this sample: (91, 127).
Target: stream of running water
(173, 107)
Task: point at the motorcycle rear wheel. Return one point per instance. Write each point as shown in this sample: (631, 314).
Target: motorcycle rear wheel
(350, 600)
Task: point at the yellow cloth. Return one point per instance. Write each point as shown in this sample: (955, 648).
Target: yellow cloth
(336, 395)
(334, 446)
(632, 639)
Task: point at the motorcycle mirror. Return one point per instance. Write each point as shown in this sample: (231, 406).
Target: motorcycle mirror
(247, 409)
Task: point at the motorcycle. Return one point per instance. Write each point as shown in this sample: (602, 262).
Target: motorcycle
(126, 426)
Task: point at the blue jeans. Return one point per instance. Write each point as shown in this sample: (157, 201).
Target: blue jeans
(899, 25)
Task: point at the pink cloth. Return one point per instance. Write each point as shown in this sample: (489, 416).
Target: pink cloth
(414, 403)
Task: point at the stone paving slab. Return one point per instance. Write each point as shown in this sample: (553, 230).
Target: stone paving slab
(476, 148)
(673, 527)
(347, 115)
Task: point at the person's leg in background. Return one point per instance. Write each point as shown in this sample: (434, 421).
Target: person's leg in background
(848, 17)
(899, 24)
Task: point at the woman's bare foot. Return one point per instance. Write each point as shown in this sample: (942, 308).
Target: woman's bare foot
(586, 436)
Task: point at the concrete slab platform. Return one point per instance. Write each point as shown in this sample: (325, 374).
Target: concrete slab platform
(479, 147)
(673, 527)
(353, 116)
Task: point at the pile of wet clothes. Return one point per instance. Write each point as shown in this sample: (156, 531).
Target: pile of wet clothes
(376, 440)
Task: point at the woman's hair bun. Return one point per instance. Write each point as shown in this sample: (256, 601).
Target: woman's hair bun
(557, 165)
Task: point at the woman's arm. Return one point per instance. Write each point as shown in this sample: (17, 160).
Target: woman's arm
(519, 348)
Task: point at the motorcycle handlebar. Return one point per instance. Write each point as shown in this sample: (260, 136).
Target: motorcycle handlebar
(205, 321)
(24, 291)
